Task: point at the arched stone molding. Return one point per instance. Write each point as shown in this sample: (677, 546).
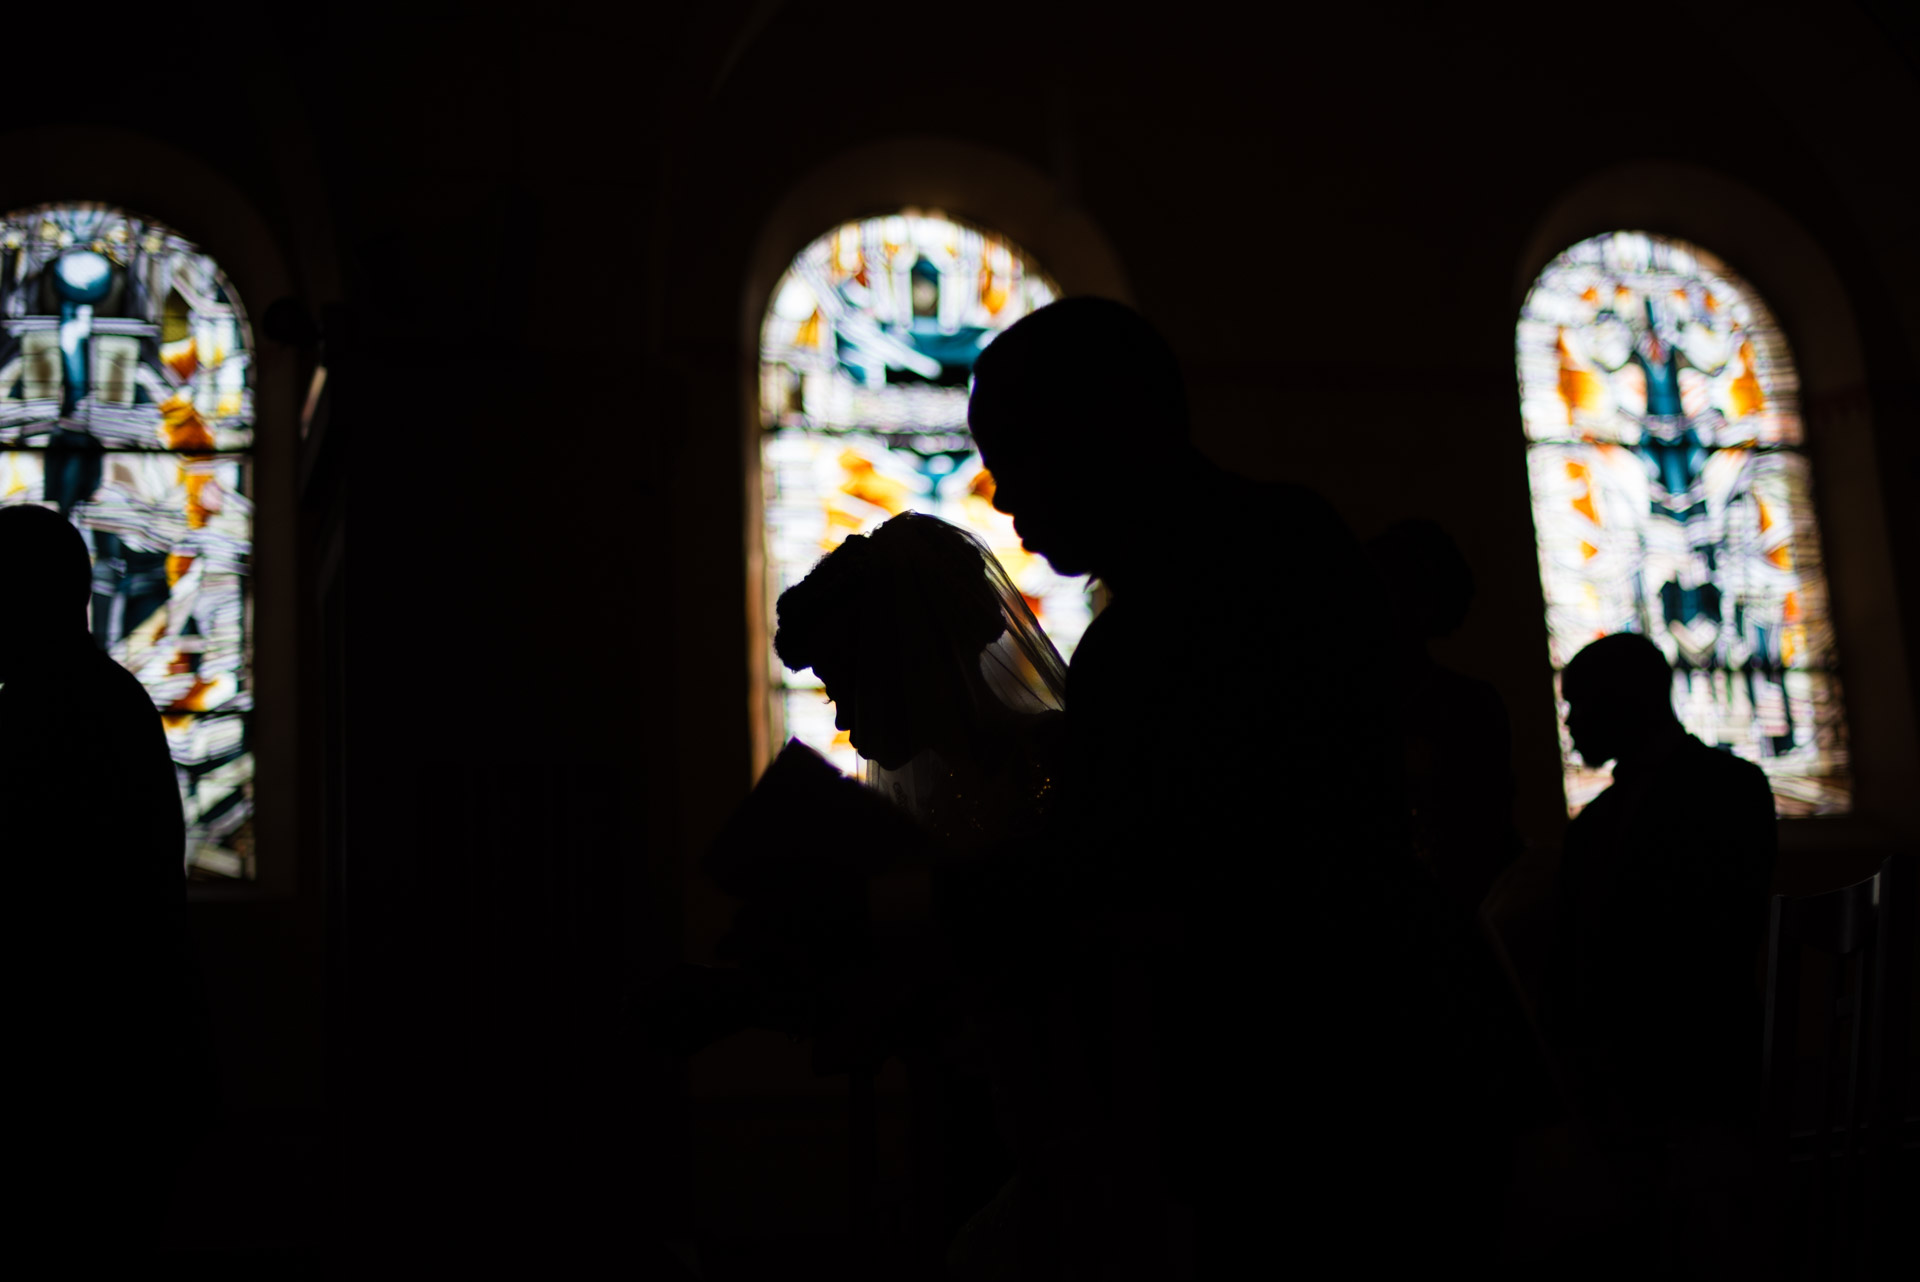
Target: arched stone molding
(964, 179)
(1737, 225)
(151, 178)
(1790, 270)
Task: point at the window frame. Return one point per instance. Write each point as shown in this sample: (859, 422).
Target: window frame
(1764, 330)
(779, 682)
(1783, 264)
(969, 183)
(145, 177)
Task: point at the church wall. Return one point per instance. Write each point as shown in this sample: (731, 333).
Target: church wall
(1334, 257)
(1334, 224)
(257, 947)
(546, 233)
(507, 640)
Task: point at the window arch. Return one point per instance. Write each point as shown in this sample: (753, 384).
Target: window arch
(1672, 497)
(126, 402)
(866, 354)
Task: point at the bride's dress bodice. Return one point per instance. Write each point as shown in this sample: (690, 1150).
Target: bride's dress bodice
(977, 808)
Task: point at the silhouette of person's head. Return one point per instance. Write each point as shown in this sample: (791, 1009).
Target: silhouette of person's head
(1074, 407)
(893, 624)
(1619, 694)
(49, 583)
(1430, 581)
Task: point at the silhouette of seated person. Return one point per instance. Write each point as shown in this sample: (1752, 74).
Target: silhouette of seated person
(1235, 775)
(100, 1014)
(1458, 747)
(1651, 998)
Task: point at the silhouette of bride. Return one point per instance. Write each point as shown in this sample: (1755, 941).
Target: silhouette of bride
(939, 674)
(951, 692)
(953, 695)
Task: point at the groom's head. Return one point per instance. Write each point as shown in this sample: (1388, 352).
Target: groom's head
(1071, 406)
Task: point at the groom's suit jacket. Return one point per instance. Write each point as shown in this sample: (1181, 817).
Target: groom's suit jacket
(1237, 759)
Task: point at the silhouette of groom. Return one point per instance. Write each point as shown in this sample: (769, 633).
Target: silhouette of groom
(1237, 777)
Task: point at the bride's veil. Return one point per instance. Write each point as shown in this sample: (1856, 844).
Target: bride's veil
(951, 592)
(936, 660)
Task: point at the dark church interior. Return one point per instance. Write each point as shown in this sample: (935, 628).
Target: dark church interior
(468, 970)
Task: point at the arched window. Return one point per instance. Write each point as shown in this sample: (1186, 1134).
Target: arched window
(866, 355)
(1671, 497)
(126, 403)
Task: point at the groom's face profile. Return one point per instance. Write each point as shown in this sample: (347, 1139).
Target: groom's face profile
(1589, 726)
(1031, 485)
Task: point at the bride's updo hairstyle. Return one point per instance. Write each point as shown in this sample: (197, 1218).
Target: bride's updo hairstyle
(918, 637)
(816, 613)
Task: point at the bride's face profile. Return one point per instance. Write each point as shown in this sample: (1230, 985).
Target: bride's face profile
(871, 710)
(892, 703)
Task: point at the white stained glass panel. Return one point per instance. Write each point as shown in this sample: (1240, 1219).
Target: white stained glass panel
(126, 404)
(866, 356)
(1670, 498)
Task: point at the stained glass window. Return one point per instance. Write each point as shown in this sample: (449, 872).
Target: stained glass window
(1671, 497)
(866, 356)
(126, 403)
